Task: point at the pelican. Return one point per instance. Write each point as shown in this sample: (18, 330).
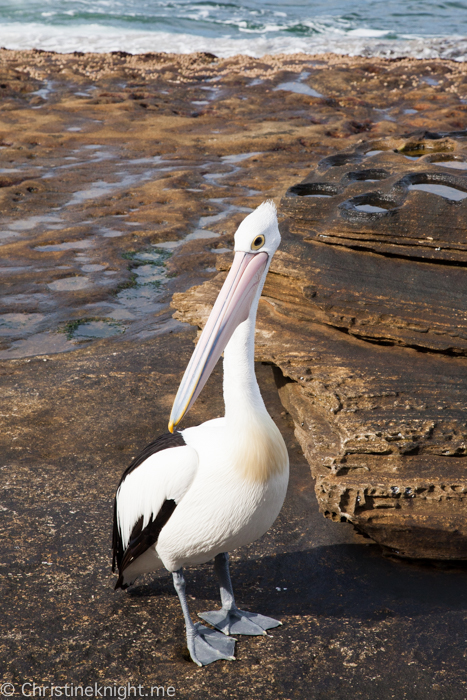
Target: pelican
(194, 495)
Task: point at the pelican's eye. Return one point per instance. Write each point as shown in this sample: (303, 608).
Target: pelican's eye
(258, 242)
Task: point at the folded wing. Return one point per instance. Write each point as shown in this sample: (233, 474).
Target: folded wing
(148, 494)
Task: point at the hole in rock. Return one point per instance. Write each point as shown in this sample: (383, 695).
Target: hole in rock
(445, 191)
(339, 159)
(368, 175)
(370, 208)
(443, 185)
(373, 203)
(313, 189)
(413, 151)
(450, 162)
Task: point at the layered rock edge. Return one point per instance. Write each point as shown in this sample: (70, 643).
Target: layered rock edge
(364, 316)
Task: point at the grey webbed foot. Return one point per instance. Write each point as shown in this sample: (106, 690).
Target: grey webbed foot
(229, 619)
(237, 621)
(206, 645)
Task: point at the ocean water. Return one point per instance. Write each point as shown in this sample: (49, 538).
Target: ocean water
(419, 28)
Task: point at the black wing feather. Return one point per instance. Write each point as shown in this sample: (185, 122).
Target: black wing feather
(141, 539)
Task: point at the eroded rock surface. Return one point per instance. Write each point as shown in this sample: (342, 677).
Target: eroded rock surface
(364, 312)
(174, 145)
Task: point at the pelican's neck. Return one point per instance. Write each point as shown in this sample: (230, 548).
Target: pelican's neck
(254, 443)
(259, 452)
(241, 391)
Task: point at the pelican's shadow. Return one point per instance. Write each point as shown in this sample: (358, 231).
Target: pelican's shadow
(334, 581)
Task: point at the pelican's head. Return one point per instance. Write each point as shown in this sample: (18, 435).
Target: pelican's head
(259, 231)
(256, 240)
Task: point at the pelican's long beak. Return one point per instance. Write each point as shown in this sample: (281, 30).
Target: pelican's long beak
(231, 308)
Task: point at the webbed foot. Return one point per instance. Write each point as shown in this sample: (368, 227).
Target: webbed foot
(237, 621)
(206, 645)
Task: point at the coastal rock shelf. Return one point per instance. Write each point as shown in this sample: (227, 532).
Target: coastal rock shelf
(365, 314)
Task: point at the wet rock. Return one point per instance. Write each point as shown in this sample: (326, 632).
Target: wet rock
(72, 420)
(364, 314)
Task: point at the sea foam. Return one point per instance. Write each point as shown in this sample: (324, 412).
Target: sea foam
(100, 38)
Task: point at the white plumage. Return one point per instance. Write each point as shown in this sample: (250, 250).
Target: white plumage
(215, 487)
(165, 475)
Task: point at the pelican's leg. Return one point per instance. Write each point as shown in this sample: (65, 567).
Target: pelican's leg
(229, 619)
(205, 645)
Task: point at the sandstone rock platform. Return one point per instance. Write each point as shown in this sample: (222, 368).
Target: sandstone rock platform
(218, 136)
(364, 313)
